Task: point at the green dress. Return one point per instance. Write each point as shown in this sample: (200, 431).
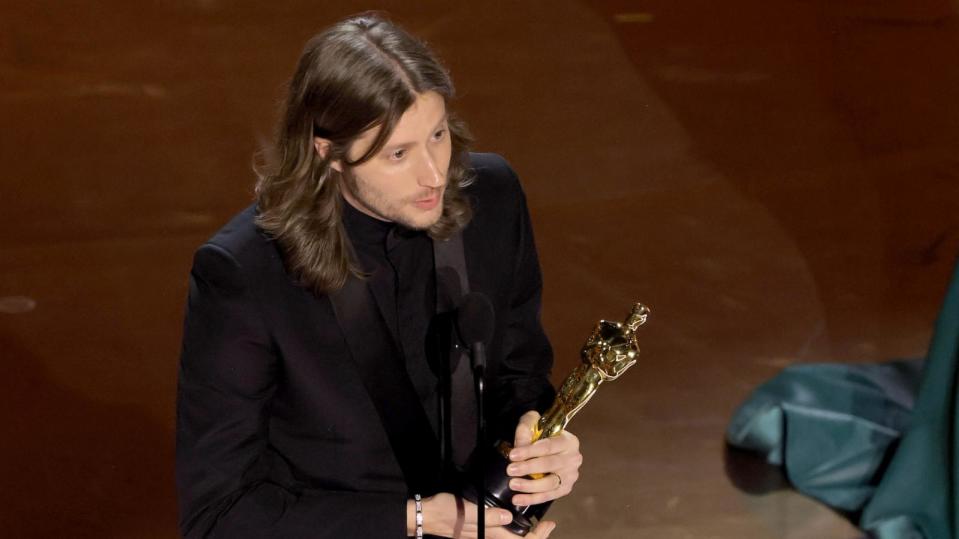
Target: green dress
(879, 442)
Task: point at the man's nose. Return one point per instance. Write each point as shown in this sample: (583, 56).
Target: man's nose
(430, 174)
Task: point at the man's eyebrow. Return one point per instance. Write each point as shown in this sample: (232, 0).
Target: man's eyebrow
(398, 145)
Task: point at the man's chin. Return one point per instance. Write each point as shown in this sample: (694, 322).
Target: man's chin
(422, 221)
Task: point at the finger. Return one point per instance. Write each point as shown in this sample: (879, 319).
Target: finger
(548, 482)
(538, 497)
(542, 530)
(524, 430)
(562, 443)
(539, 448)
(501, 533)
(541, 465)
(495, 518)
(550, 487)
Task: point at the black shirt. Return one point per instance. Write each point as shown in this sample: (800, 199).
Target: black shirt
(400, 269)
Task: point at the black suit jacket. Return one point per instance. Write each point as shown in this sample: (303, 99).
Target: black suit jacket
(277, 434)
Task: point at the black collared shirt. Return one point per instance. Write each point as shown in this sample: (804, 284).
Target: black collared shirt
(401, 274)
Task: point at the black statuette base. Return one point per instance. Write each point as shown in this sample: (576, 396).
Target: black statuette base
(499, 495)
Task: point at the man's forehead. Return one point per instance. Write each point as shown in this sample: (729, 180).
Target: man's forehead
(425, 113)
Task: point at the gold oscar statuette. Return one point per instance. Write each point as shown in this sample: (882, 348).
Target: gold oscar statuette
(609, 350)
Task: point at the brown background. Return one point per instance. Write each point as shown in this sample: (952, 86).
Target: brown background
(778, 180)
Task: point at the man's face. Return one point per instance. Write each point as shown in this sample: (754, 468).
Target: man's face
(404, 182)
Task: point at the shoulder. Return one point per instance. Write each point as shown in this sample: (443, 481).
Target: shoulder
(240, 243)
(500, 214)
(493, 171)
(494, 182)
(240, 233)
(490, 164)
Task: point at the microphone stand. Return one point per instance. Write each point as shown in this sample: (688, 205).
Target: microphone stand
(474, 322)
(479, 377)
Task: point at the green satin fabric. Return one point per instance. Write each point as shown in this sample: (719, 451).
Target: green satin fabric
(916, 496)
(830, 426)
(877, 440)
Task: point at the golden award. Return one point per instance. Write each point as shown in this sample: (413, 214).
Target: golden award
(611, 348)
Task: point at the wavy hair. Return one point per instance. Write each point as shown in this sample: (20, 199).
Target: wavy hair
(361, 73)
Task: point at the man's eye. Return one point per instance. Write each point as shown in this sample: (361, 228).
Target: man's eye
(439, 134)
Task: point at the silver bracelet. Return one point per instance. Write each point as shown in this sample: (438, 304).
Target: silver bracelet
(418, 502)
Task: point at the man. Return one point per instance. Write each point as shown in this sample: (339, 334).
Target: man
(316, 395)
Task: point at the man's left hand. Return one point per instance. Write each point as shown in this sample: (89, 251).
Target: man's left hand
(557, 458)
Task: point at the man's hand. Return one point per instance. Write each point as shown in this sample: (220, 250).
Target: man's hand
(557, 458)
(445, 515)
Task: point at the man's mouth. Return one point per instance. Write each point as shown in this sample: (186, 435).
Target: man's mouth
(428, 202)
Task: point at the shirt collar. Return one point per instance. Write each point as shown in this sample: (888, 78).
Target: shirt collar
(369, 231)
(362, 228)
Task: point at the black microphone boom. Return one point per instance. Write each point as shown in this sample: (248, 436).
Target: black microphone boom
(474, 323)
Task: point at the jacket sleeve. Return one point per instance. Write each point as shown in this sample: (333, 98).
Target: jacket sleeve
(522, 382)
(227, 377)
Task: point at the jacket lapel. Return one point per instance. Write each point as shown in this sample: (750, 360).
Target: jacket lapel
(380, 289)
(374, 352)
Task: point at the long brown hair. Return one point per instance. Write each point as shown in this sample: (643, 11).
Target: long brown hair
(361, 73)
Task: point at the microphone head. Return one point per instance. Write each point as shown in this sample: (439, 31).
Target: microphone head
(475, 319)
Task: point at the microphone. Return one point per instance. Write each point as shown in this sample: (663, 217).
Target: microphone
(474, 323)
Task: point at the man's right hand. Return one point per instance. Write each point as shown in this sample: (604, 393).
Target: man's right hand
(445, 515)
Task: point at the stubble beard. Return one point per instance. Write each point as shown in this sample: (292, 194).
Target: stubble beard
(375, 203)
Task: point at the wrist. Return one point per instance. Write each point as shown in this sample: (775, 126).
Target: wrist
(414, 517)
(410, 518)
